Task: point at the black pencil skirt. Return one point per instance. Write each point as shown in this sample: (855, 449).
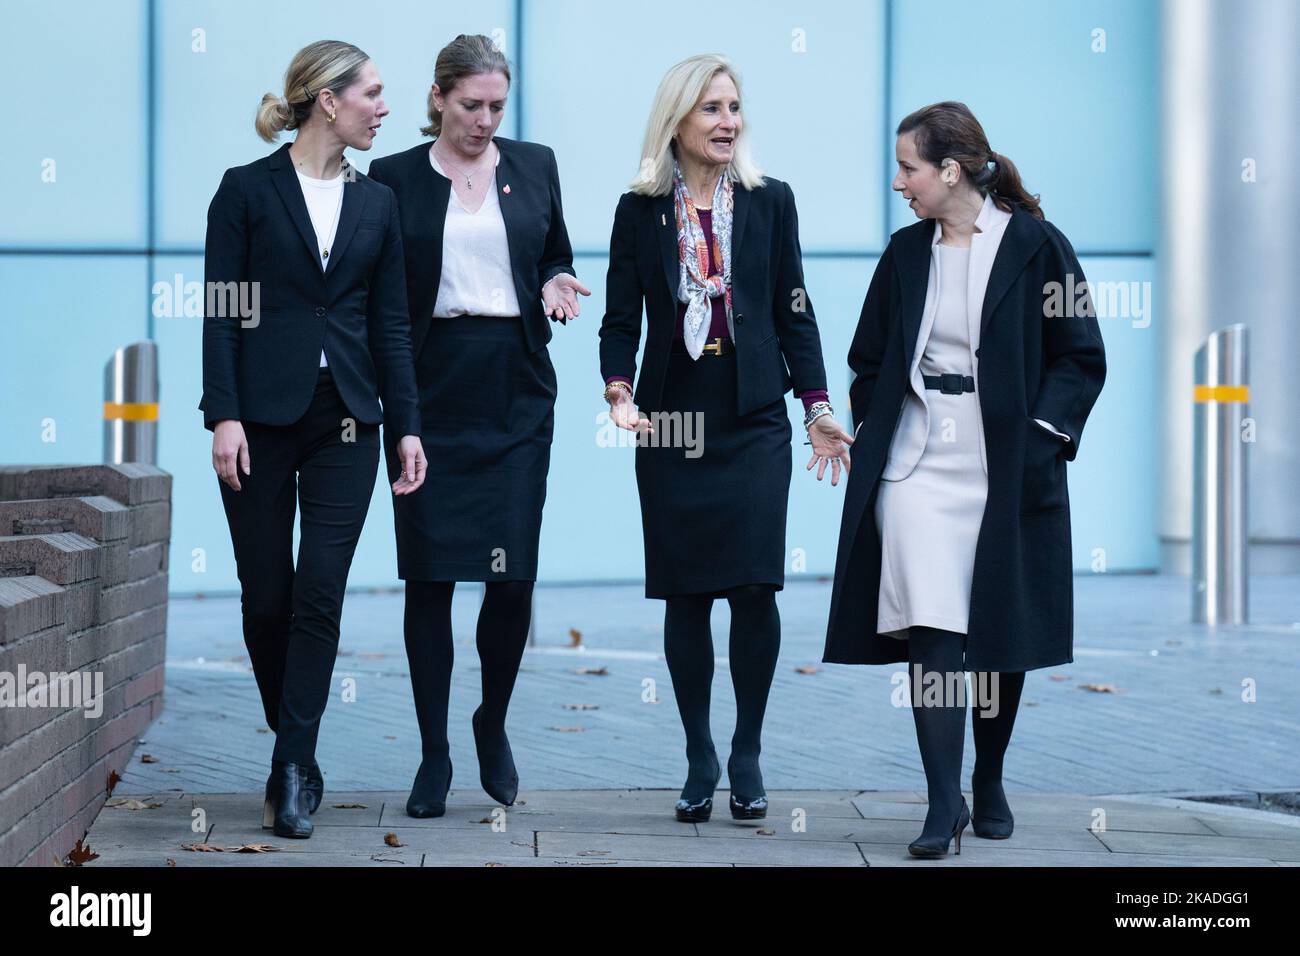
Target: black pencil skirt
(487, 407)
(714, 491)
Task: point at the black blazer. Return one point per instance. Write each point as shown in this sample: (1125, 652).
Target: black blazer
(259, 232)
(767, 291)
(534, 218)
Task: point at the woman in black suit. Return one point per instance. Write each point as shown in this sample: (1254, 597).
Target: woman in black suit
(487, 261)
(970, 395)
(305, 334)
(710, 247)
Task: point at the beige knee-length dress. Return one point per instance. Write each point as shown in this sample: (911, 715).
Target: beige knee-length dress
(929, 521)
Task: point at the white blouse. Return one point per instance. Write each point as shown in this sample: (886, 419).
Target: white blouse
(324, 204)
(476, 275)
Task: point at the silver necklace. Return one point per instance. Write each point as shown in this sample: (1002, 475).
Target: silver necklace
(469, 183)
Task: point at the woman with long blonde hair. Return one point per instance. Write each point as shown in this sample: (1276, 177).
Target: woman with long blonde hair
(710, 248)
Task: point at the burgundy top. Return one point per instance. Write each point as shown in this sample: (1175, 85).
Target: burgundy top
(718, 321)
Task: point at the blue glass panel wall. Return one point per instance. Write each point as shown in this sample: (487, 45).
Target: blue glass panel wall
(825, 82)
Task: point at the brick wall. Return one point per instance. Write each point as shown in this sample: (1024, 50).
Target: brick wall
(83, 588)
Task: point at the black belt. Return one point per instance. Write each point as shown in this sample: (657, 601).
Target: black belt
(716, 346)
(950, 383)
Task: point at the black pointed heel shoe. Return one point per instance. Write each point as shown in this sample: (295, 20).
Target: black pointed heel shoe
(935, 847)
(429, 792)
(496, 765)
(698, 810)
(288, 804)
(989, 826)
(992, 829)
(314, 787)
(746, 809)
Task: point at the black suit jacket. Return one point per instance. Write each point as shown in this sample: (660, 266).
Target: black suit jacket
(264, 369)
(773, 316)
(534, 218)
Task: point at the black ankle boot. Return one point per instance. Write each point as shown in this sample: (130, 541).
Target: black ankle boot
(286, 804)
(429, 792)
(933, 847)
(496, 764)
(314, 787)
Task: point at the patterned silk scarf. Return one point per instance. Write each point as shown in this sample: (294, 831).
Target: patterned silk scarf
(695, 286)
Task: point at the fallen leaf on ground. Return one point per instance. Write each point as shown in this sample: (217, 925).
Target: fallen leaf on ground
(596, 671)
(575, 637)
(763, 831)
(593, 852)
(148, 758)
(253, 848)
(568, 730)
(130, 803)
(1099, 688)
(391, 840)
(1059, 677)
(113, 779)
(805, 669)
(81, 853)
(348, 806)
(582, 706)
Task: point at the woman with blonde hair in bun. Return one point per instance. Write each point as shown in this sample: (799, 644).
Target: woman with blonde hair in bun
(295, 388)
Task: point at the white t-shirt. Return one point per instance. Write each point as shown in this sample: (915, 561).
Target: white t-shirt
(476, 275)
(324, 204)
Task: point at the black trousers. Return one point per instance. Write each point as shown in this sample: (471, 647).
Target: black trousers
(324, 465)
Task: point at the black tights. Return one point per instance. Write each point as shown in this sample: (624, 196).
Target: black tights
(501, 636)
(688, 647)
(940, 721)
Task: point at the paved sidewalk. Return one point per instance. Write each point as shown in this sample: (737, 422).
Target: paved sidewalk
(636, 827)
(1152, 706)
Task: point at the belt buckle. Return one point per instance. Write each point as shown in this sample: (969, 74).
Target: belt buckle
(715, 346)
(950, 383)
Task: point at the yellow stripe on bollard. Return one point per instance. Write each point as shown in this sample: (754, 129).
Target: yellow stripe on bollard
(132, 411)
(1221, 393)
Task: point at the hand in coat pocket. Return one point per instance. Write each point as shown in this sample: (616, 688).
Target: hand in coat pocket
(1043, 481)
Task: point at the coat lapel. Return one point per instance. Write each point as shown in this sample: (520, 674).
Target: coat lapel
(914, 275)
(665, 226)
(354, 202)
(508, 171)
(431, 194)
(286, 184)
(1019, 243)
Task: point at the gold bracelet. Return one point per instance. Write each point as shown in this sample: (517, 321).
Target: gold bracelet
(618, 384)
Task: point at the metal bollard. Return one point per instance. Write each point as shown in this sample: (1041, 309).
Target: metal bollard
(1220, 531)
(131, 405)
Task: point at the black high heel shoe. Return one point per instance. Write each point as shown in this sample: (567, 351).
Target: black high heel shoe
(744, 809)
(285, 808)
(698, 811)
(934, 847)
(496, 767)
(990, 827)
(314, 788)
(429, 792)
